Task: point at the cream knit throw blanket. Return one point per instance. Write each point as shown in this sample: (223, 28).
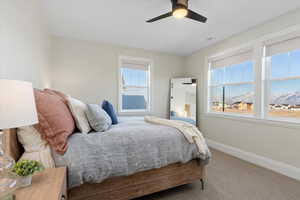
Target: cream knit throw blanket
(190, 132)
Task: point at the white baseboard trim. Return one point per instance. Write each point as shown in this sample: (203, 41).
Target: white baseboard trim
(279, 167)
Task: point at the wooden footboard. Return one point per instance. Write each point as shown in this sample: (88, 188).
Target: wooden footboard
(140, 184)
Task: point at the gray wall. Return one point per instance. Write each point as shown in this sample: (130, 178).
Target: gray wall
(89, 71)
(24, 42)
(274, 142)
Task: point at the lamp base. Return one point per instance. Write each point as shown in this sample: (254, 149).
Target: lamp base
(8, 183)
(7, 187)
(9, 197)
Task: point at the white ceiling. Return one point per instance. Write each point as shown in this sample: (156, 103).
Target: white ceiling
(122, 22)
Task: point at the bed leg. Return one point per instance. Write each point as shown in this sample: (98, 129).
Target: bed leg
(202, 183)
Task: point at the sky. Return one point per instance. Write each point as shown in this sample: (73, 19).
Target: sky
(134, 77)
(286, 65)
(234, 74)
(283, 65)
(283, 87)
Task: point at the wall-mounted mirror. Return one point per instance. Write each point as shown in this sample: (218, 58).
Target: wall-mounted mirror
(183, 100)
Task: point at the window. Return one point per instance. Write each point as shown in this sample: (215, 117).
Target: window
(262, 82)
(231, 85)
(134, 92)
(283, 66)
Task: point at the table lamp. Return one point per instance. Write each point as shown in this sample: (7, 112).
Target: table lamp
(17, 109)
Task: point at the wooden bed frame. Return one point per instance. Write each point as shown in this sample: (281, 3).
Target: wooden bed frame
(126, 187)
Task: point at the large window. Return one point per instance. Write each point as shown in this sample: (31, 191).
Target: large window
(283, 64)
(134, 93)
(263, 82)
(231, 84)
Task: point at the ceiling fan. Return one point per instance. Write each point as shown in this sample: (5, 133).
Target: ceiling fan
(180, 10)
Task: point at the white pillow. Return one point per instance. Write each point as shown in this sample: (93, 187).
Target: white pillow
(35, 147)
(78, 110)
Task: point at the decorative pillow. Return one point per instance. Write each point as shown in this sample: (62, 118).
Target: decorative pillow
(109, 109)
(98, 118)
(78, 110)
(63, 96)
(35, 147)
(56, 123)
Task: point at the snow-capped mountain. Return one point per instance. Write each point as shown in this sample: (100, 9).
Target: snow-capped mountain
(247, 98)
(289, 98)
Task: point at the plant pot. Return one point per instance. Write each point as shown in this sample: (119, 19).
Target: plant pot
(25, 181)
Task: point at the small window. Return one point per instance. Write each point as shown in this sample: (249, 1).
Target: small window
(134, 94)
(231, 84)
(283, 65)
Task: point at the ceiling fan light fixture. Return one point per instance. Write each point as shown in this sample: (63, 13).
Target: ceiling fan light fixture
(180, 13)
(180, 9)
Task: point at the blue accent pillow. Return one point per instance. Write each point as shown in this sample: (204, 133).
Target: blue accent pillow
(109, 109)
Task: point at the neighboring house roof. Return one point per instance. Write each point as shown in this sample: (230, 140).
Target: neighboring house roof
(133, 102)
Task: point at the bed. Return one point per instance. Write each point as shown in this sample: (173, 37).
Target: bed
(132, 184)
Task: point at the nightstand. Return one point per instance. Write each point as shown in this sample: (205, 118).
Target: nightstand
(51, 184)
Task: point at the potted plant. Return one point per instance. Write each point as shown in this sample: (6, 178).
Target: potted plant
(25, 169)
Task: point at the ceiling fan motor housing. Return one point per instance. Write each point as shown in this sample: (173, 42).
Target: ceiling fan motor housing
(179, 4)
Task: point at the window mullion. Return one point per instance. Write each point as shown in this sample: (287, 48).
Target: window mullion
(258, 80)
(267, 85)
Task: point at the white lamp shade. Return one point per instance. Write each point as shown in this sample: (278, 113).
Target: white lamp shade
(17, 104)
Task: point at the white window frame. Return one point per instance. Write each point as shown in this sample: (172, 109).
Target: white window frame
(223, 55)
(149, 100)
(262, 89)
(268, 79)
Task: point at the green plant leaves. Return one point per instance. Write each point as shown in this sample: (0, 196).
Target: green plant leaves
(27, 167)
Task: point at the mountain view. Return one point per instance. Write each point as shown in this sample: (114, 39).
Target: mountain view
(239, 97)
(284, 105)
(288, 98)
(247, 98)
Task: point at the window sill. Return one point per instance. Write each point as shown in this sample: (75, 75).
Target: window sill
(281, 122)
(133, 113)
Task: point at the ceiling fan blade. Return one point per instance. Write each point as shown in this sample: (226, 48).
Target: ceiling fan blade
(195, 16)
(160, 17)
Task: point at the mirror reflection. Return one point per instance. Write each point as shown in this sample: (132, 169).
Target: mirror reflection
(183, 100)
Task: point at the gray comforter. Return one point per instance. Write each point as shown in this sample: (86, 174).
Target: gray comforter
(127, 148)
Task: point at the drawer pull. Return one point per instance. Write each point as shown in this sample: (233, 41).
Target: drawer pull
(63, 197)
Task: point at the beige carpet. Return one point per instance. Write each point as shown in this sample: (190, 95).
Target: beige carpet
(229, 178)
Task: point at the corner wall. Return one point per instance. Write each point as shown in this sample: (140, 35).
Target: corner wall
(273, 142)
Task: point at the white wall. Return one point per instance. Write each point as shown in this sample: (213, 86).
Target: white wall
(277, 143)
(89, 71)
(24, 42)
